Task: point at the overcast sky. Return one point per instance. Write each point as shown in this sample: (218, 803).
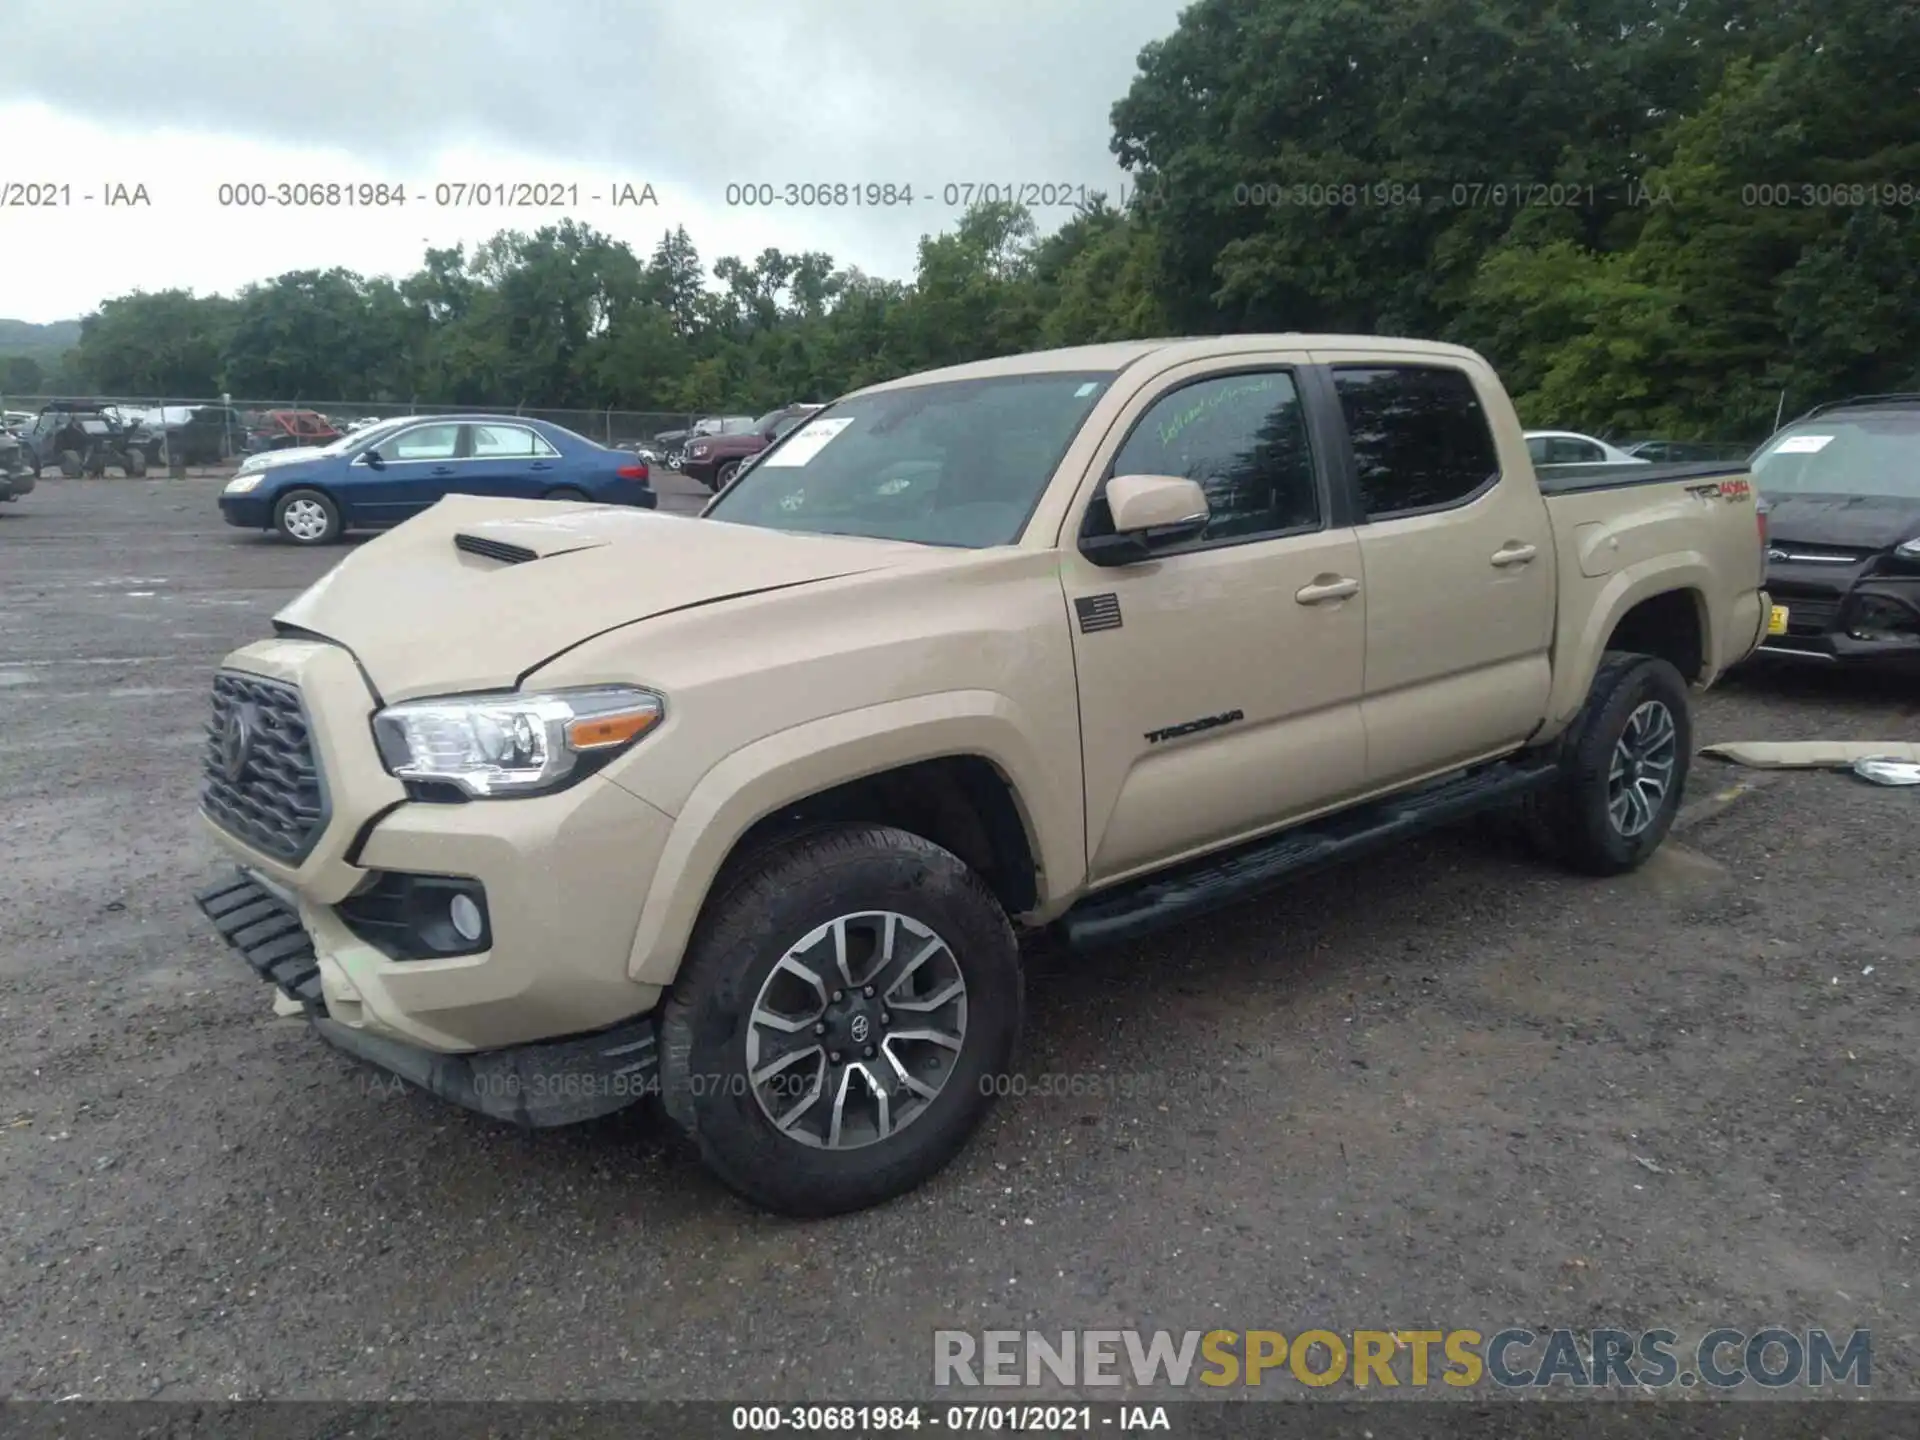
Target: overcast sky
(686, 95)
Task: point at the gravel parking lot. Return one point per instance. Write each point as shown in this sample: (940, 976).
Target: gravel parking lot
(1447, 1088)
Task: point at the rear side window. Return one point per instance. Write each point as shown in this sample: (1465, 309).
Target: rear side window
(1243, 438)
(1420, 436)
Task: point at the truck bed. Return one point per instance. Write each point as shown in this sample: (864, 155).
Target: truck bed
(1572, 479)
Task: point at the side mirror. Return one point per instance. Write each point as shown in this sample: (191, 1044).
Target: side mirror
(1149, 512)
(372, 457)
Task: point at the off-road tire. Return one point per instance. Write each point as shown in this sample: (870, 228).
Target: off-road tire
(71, 465)
(283, 520)
(1569, 820)
(768, 903)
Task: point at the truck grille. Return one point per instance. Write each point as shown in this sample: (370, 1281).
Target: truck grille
(263, 781)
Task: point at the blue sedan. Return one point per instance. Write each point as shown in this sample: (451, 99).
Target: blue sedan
(374, 478)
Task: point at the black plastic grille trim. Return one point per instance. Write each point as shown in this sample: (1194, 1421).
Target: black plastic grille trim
(278, 803)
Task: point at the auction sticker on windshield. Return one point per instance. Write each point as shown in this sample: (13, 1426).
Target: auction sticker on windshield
(807, 442)
(1804, 444)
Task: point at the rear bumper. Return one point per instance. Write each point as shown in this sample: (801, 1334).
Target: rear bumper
(551, 1082)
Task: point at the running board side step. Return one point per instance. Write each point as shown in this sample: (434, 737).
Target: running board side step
(1168, 897)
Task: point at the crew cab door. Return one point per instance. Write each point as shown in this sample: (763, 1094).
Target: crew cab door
(1458, 560)
(1220, 679)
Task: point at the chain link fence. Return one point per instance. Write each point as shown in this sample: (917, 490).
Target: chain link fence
(203, 433)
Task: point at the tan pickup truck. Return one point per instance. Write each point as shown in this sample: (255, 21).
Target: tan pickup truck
(551, 807)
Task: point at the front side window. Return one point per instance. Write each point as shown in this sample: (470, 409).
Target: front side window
(1420, 436)
(955, 462)
(427, 442)
(1243, 438)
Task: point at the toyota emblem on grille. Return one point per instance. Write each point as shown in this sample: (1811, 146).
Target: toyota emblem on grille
(236, 741)
(859, 1029)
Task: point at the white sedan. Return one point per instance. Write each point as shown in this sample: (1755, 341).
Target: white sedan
(1569, 447)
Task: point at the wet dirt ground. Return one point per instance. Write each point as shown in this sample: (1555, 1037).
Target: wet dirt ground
(1446, 1088)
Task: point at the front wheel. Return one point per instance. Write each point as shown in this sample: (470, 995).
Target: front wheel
(134, 463)
(1623, 770)
(723, 477)
(307, 517)
(851, 998)
(71, 465)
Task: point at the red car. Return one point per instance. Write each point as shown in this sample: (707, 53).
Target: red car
(286, 429)
(714, 460)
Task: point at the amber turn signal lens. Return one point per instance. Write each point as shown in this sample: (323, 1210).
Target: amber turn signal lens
(598, 732)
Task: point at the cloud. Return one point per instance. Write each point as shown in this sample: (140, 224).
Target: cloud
(690, 97)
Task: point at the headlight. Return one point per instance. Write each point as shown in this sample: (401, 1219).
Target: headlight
(701, 449)
(241, 484)
(502, 745)
(1910, 550)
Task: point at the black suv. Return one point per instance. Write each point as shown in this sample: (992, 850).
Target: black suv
(1841, 487)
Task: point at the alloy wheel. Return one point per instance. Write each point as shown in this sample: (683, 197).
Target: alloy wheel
(856, 1030)
(1642, 769)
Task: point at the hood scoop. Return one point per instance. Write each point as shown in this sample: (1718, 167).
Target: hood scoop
(504, 551)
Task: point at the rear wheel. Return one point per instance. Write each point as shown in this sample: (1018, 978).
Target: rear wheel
(134, 463)
(1623, 769)
(849, 1001)
(307, 517)
(567, 492)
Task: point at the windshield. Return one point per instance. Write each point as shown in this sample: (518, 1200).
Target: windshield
(1873, 453)
(957, 462)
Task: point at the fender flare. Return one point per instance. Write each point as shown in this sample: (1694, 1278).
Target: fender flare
(760, 779)
(1687, 572)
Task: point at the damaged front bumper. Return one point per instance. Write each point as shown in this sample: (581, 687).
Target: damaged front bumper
(551, 1082)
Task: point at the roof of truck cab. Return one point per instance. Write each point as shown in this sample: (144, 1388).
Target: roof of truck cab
(1172, 350)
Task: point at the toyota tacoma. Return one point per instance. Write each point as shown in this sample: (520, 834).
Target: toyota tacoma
(552, 807)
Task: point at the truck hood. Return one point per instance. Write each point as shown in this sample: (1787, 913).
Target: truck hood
(1851, 522)
(475, 593)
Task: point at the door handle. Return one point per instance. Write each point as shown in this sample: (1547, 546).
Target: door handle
(1326, 588)
(541, 465)
(443, 469)
(1514, 553)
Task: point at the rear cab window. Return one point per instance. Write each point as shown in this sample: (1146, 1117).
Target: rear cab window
(1420, 436)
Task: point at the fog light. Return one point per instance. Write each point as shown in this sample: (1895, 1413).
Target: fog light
(419, 917)
(465, 916)
(1881, 618)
